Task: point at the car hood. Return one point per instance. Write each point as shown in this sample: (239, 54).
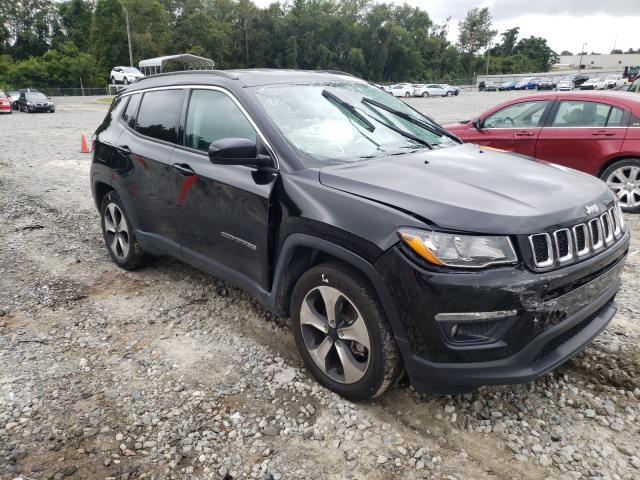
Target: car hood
(475, 189)
(452, 127)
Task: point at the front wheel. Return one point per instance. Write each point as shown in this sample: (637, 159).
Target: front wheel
(449, 94)
(126, 81)
(407, 95)
(118, 233)
(342, 333)
(113, 81)
(623, 178)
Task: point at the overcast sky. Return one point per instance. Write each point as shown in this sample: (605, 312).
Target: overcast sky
(566, 24)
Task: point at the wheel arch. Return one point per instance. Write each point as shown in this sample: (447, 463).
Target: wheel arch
(613, 160)
(100, 189)
(300, 252)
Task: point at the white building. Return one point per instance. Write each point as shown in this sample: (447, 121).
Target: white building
(599, 62)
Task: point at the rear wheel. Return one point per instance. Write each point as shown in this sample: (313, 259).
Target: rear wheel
(407, 95)
(623, 178)
(425, 94)
(342, 333)
(118, 233)
(126, 81)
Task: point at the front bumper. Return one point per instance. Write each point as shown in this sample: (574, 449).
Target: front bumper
(558, 313)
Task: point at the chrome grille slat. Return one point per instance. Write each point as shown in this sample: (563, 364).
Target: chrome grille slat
(568, 244)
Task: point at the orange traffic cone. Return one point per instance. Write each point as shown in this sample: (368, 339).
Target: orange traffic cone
(83, 145)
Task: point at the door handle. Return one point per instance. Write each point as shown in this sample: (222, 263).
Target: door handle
(184, 169)
(603, 133)
(525, 134)
(123, 150)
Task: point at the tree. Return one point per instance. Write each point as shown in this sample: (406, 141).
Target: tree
(616, 51)
(509, 39)
(109, 35)
(534, 55)
(566, 52)
(75, 23)
(475, 31)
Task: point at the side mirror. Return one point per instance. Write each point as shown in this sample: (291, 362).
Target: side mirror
(477, 124)
(237, 151)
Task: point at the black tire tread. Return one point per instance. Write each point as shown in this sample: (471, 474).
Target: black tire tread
(136, 257)
(392, 363)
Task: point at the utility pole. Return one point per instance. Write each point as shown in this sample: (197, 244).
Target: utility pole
(126, 18)
(581, 52)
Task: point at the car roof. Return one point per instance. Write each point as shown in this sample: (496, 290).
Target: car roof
(246, 77)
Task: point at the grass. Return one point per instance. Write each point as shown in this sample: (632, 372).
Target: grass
(106, 100)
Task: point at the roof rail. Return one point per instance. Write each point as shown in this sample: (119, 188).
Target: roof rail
(183, 72)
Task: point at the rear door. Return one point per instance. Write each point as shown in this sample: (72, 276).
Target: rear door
(143, 167)
(224, 209)
(582, 134)
(514, 128)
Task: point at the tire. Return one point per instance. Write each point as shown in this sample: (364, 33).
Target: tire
(425, 94)
(617, 176)
(407, 95)
(375, 363)
(449, 94)
(125, 81)
(119, 238)
(113, 81)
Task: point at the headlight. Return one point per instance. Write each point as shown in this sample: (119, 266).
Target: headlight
(29, 104)
(455, 250)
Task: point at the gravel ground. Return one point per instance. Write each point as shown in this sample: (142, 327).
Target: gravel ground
(169, 373)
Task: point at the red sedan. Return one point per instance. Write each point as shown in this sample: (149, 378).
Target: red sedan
(595, 132)
(5, 103)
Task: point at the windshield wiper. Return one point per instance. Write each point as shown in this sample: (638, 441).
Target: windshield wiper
(431, 126)
(350, 108)
(404, 133)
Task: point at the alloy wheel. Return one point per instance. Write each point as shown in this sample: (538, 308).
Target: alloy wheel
(335, 334)
(625, 183)
(117, 231)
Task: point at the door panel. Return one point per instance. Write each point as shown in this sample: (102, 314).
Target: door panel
(147, 182)
(224, 214)
(582, 135)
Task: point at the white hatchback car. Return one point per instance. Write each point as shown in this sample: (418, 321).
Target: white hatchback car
(125, 75)
(401, 90)
(613, 81)
(433, 89)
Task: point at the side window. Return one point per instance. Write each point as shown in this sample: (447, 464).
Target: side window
(132, 107)
(159, 113)
(615, 117)
(575, 113)
(213, 115)
(519, 115)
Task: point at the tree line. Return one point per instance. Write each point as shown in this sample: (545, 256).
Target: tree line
(60, 44)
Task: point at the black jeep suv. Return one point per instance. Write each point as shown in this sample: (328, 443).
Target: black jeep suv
(391, 245)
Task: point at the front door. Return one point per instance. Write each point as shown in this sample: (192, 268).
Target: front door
(582, 134)
(514, 128)
(224, 209)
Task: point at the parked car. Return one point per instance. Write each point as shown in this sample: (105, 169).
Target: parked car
(125, 75)
(595, 132)
(5, 103)
(481, 86)
(508, 85)
(433, 89)
(490, 87)
(30, 102)
(571, 81)
(635, 86)
(613, 81)
(454, 90)
(13, 96)
(402, 90)
(389, 244)
(545, 83)
(593, 84)
(528, 83)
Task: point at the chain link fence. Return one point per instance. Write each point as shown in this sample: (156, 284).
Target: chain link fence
(74, 91)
